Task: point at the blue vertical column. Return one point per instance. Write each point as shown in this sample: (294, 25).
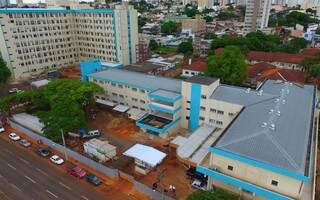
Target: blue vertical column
(195, 106)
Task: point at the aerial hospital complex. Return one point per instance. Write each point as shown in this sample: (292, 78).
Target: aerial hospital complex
(260, 143)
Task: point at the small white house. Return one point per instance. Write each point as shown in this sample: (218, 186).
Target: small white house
(100, 149)
(145, 157)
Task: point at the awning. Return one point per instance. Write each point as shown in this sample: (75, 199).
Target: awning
(106, 102)
(121, 108)
(147, 154)
(135, 113)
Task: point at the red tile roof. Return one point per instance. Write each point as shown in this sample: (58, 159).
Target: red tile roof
(263, 71)
(310, 51)
(198, 65)
(275, 57)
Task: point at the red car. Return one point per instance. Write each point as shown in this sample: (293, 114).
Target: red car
(77, 171)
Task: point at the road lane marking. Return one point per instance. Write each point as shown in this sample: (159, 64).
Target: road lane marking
(42, 172)
(63, 185)
(14, 186)
(30, 179)
(84, 197)
(6, 150)
(52, 194)
(23, 160)
(12, 167)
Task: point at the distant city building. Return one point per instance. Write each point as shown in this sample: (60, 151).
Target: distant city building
(4, 3)
(257, 15)
(35, 40)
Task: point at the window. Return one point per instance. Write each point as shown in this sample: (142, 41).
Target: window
(114, 94)
(274, 183)
(188, 108)
(201, 118)
(213, 110)
(142, 101)
(230, 167)
(211, 120)
(202, 108)
(230, 114)
(203, 96)
(134, 89)
(220, 112)
(188, 101)
(219, 122)
(142, 90)
(187, 117)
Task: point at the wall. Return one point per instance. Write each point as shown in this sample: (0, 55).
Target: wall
(258, 176)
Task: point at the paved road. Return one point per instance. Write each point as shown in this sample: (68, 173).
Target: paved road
(27, 177)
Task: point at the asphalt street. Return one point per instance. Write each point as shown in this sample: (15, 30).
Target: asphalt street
(28, 177)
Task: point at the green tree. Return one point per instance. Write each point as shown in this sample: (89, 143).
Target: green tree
(141, 22)
(318, 30)
(4, 72)
(153, 45)
(208, 18)
(314, 70)
(218, 194)
(229, 66)
(191, 10)
(186, 47)
(169, 27)
(210, 36)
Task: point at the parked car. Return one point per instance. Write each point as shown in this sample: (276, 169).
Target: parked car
(199, 185)
(57, 160)
(93, 179)
(14, 90)
(193, 174)
(43, 152)
(93, 133)
(25, 143)
(2, 129)
(14, 136)
(76, 171)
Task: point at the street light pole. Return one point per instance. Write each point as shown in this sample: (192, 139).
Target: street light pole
(64, 144)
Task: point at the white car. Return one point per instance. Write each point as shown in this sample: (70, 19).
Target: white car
(57, 160)
(14, 137)
(1, 129)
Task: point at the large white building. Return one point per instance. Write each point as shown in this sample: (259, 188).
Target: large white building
(35, 40)
(257, 15)
(251, 142)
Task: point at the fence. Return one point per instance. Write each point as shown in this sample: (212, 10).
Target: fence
(80, 158)
(113, 173)
(149, 192)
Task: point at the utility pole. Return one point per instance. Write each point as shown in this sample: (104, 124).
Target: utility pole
(64, 144)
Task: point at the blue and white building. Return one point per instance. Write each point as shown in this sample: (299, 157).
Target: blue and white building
(34, 40)
(258, 143)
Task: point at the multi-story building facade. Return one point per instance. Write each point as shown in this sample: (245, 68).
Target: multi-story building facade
(35, 40)
(4, 3)
(258, 145)
(257, 15)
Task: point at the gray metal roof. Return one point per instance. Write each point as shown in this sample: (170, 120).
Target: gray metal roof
(287, 145)
(204, 80)
(166, 93)
(239, 95)
(139, 80)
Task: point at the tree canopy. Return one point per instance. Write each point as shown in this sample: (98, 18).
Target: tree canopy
(259, 41)
(218, 194)
(191, 10)
(291, 19)
(169, 27)
(59, 105)
(5, 73)
(186, 47)
(229, 66)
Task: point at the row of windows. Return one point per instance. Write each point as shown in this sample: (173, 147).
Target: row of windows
(114, 101)
(273, 182)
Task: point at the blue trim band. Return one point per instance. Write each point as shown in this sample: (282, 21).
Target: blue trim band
(165, 99)
(41, 11)
(242, 184)
(162, 109)
(195, 106)
(259, 164)
(157, 130)
(115, 35)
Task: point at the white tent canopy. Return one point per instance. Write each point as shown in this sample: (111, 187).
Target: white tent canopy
(121, 108)
(40, 83)
(147, 154)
